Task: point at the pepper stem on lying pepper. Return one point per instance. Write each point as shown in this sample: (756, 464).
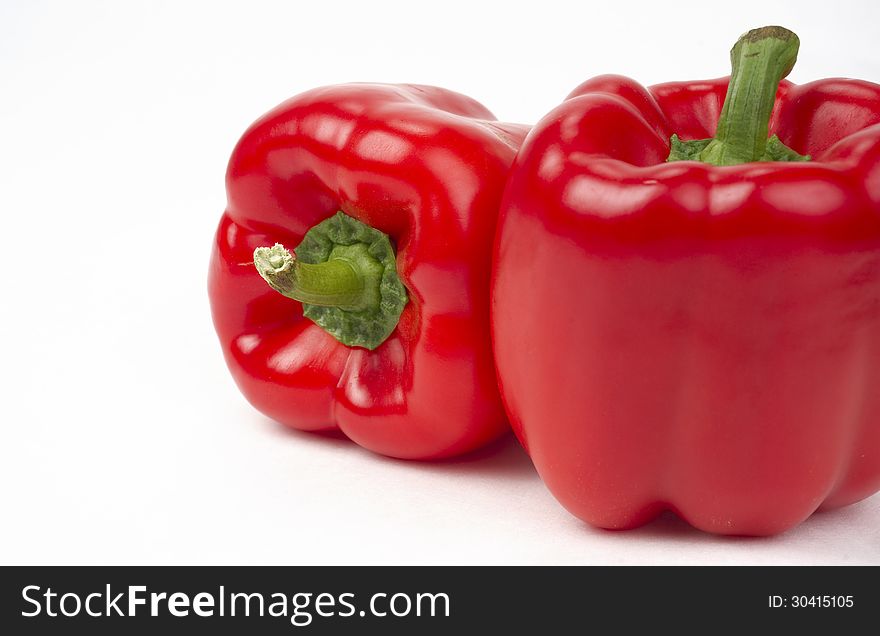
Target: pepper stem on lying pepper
(344, 272)
(760, 59)
(350, 283)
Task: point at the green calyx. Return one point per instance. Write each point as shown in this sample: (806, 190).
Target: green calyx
(345, 274)
(760, 59)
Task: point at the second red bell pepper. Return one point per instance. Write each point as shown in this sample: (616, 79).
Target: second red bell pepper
(686, 310)
(389, 195)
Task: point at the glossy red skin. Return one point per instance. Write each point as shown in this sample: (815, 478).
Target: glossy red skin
(687, 337)
(424, 165)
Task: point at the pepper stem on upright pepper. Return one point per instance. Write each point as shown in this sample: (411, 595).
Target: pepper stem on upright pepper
(760, 59)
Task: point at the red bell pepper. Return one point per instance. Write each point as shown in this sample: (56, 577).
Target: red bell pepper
(381, 329)
(695, 325)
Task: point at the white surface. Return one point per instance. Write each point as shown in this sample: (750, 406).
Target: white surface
(123, 438)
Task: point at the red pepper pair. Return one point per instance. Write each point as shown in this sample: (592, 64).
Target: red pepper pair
(685, 309)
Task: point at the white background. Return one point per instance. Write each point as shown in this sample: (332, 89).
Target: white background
(124, 439)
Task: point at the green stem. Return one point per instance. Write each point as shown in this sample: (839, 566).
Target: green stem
(345, 275)
(760, 60)
(338, 282)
